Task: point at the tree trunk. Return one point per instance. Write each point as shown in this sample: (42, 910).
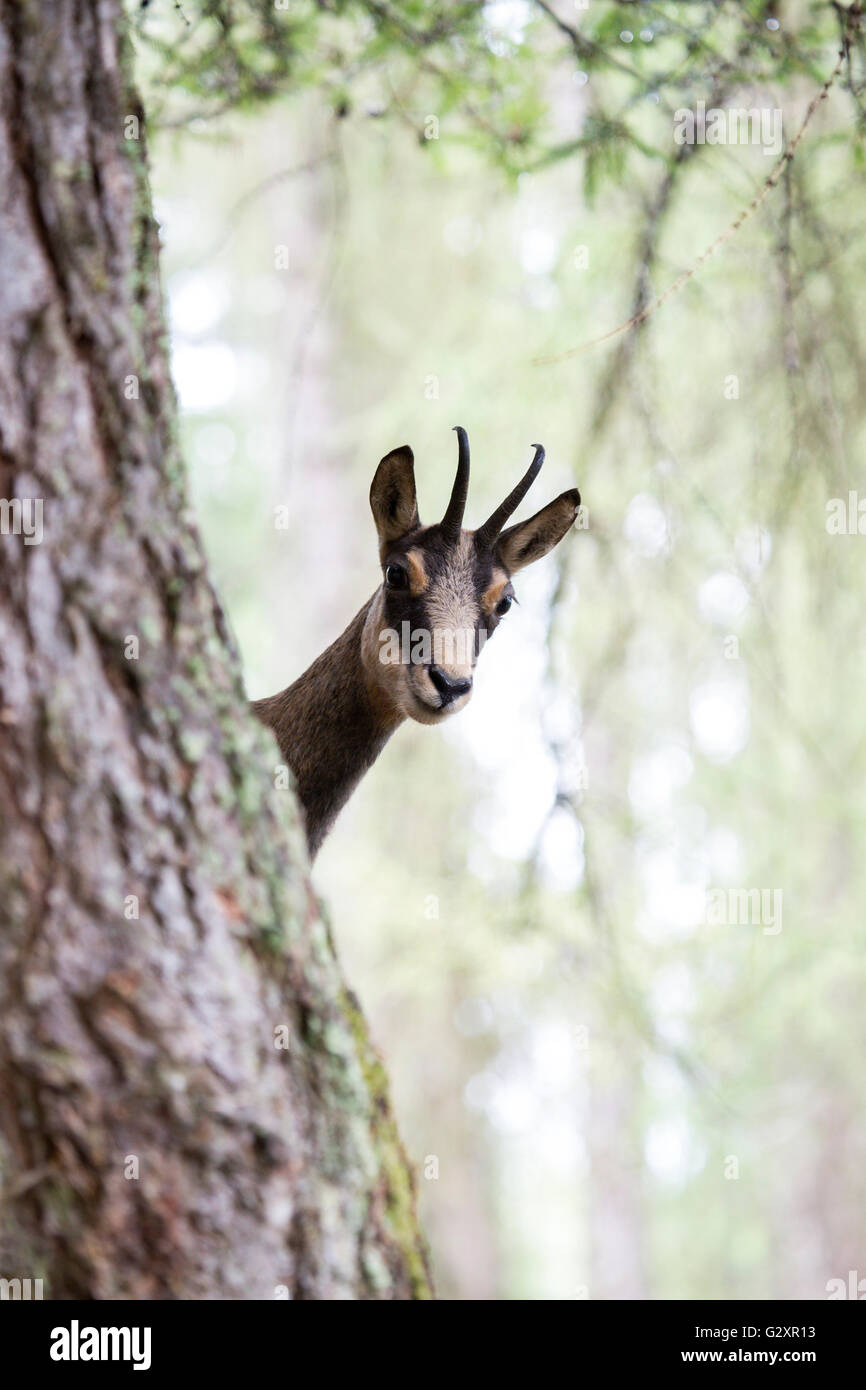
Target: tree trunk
(160, 940)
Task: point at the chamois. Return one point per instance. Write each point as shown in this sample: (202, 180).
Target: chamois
(444, 588)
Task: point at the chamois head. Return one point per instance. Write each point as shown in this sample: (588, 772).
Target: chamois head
(445, 590)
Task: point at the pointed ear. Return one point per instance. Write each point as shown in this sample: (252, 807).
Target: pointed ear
(529, 540)
(392, 496)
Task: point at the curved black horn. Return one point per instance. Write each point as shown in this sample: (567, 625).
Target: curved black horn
(453, 518)
(491, 528)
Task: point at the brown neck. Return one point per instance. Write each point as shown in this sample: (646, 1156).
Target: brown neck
(332, 724)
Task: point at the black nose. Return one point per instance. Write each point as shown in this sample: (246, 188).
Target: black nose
(449, 688)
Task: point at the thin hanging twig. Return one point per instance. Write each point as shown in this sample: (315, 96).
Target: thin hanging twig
(769, 184)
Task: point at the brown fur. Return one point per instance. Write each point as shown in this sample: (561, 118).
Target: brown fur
(334, 721)
(493, 593)
(331, 725)
(417, 572)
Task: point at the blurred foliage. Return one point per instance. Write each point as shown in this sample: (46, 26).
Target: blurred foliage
(623, 1099)
(487, 66)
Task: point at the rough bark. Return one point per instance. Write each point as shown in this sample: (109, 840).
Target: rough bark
(148, 1038)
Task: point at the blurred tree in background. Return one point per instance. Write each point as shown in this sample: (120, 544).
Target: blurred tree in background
(381, 220)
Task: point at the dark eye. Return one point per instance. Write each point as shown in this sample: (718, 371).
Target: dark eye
(503, 605)
(396, 577)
